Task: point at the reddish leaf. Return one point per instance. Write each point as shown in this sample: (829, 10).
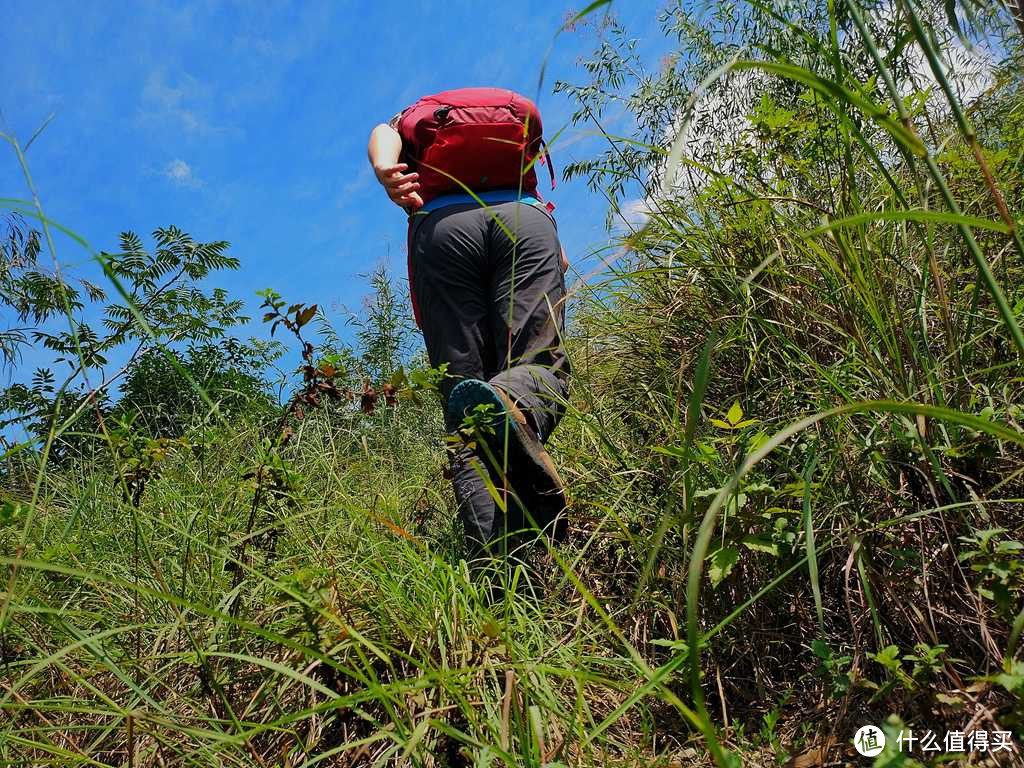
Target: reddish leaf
(369, 399)
(305, 315)
(329, 388)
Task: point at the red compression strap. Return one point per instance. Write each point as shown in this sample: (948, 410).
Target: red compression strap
(412, 291)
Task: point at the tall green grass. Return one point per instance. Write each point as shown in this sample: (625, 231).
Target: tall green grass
(793, 443)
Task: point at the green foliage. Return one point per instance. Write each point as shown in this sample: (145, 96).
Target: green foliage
(161, 307)
(1012, 679)
(139, 458)
(161, 299)
(734, 419)
(793, 449)
(833, 669)
(927, 662)
(26, 290)
(832, 235)
(1000, 562)
(723, 560)
(383, 328)
(157, 391)
(428, 379)
(10, 513)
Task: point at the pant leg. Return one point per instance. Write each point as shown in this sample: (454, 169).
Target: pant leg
(527, 313)
(448, 277)
(492, 307)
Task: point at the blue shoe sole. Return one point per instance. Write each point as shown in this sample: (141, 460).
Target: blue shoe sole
(467, 395)
(532, 475)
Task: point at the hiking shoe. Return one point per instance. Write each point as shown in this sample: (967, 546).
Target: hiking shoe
(530, 470)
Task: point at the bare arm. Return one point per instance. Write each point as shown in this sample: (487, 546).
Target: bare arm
(383, 150)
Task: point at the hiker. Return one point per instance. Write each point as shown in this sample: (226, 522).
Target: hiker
(487, 287)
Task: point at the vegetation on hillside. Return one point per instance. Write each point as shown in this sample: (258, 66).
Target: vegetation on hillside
(794, 449)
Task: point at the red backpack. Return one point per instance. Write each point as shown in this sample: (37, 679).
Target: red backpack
(481, 137)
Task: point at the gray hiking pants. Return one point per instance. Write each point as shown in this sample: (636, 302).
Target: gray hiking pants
(492, 309)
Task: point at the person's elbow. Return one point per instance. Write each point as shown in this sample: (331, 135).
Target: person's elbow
(384, 132)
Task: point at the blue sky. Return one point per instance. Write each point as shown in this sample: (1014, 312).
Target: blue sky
(248, 122)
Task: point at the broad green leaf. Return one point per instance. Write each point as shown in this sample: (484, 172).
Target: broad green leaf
(1013, 682)
(675, 645)
(707, 451)
(888, 657)
(722, 562)
(735, 413)
(705, 492)
(761, 544)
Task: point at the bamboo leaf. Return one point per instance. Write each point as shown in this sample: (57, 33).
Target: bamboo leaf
(837, 92)
(913, 214)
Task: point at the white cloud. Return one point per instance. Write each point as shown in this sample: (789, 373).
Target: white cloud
(967, 66)
(356, 185)
(179, 105)
(969, 71)
(180, 173)
(635, 212)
